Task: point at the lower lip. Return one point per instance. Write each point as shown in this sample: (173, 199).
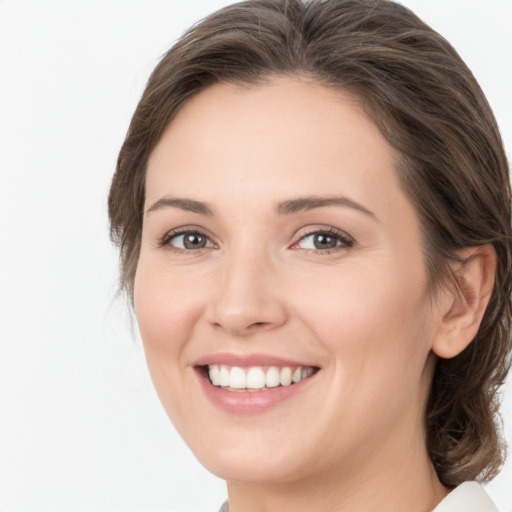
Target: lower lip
(250, 402)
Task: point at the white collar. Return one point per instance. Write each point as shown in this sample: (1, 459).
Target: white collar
(467, 497)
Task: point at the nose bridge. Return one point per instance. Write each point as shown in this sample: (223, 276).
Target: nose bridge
(247, 298)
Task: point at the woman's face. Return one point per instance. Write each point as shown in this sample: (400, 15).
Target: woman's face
(278, 246)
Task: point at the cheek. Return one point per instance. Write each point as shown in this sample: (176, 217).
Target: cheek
(166, 314)
(164, 305)
(378, 343)
(366, 299)
(374, 323)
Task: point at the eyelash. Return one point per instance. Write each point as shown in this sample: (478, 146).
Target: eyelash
(346, 242)
(166, 240)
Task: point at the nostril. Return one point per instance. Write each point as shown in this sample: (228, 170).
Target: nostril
(257, 325)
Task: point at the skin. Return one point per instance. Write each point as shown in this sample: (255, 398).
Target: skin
(363, 312)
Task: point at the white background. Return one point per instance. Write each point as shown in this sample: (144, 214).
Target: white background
(80, 425)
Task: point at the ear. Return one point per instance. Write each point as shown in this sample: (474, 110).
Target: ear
(463, 306)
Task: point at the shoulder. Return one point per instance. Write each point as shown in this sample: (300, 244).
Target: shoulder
(467, 497)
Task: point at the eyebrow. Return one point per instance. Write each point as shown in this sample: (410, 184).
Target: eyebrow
(188, 205)
(309, 203)
(291, 206)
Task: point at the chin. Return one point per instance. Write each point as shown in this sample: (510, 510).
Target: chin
(256, 457)
(254, 469)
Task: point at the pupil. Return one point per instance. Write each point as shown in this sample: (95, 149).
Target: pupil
(194, 241)
(325, 242)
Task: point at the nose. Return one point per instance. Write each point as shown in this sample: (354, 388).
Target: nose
(247, 299)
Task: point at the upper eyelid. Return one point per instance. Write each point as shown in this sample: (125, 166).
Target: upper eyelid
(182, 230)
(325, 229)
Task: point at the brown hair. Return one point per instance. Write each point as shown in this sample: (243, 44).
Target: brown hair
(452, 166)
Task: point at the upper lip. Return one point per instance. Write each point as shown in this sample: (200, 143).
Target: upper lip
(245, 360)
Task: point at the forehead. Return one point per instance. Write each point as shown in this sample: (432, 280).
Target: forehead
(286, 131)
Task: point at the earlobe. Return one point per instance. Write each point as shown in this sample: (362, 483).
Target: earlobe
(463, 306)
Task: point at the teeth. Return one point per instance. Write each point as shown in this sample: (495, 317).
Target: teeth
(214, 374)
(224, 376)
(285, 378)
(306, 372)
(256, 378)
(272, 377)
(237, 378)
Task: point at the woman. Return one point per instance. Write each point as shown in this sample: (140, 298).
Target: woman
(313, 210)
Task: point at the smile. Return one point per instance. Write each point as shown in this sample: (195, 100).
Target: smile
(255, 378)
(252, 383)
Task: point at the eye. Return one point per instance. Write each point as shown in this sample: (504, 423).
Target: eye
(325, 240)
(186, 240)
